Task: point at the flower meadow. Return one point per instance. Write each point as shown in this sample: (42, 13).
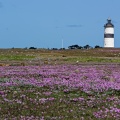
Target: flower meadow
(60, 92)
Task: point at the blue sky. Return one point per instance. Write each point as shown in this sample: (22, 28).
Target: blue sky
(44, 23)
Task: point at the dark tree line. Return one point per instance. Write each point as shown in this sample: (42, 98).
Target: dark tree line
(72, 47)
(82, 47)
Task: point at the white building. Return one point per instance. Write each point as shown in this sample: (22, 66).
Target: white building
(108, 34)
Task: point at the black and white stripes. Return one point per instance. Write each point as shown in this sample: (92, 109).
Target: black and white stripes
(109, 34)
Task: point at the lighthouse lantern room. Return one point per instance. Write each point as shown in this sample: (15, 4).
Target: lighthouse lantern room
(108, 34)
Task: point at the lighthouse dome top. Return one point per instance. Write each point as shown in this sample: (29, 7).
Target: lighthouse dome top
(108, 24)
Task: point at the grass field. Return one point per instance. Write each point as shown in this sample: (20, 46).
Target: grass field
(41, 56)
(60, 84)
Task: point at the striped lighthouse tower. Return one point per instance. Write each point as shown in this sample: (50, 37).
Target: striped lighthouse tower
(108, 34)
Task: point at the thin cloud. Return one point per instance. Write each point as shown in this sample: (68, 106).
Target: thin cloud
(69, 26)
(74, 26)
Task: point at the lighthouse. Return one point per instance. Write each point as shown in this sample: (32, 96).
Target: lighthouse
(108, 34)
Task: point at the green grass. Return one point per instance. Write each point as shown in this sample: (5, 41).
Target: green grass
(61, 56)
(91, 59)
(15, 57)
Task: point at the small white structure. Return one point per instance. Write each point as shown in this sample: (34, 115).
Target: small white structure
(108, 34)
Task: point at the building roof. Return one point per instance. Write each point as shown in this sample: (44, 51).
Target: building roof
(108, 24)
